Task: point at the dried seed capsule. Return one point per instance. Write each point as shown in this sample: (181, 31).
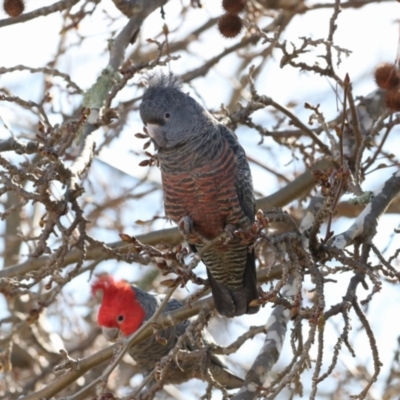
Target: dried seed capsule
(386, 76)
(13, 7)
(230, 25)
(393, 99)
(233, 6)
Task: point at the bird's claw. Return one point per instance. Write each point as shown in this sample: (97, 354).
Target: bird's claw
(185, 226)
(230, 230)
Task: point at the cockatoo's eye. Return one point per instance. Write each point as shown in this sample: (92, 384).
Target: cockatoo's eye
(120, 318)
(167, 115)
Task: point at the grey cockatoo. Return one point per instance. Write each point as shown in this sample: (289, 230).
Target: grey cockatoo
(207, 188)
(124, 308)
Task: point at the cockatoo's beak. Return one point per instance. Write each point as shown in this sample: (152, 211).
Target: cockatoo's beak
(156, 132)
(111, 334)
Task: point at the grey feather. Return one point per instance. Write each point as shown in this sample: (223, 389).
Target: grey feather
(147, 353)
(206, 180)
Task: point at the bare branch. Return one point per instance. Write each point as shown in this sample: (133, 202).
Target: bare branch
(41, 12)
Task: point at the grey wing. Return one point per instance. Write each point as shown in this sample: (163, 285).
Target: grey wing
(244, 183)
(174, 305)
(245, 192)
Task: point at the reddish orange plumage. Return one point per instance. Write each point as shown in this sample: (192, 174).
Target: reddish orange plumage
(207, 194)
(119, 307)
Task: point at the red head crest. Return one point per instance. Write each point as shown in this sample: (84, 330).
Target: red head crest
(119, 307)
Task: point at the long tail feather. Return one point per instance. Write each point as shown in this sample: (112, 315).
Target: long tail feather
(231, 303)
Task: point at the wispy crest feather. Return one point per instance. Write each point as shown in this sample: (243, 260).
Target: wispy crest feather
(161, 80)
(108, 285)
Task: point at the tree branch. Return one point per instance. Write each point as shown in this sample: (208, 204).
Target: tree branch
(41, 12)
(365, 224)
(165, 320)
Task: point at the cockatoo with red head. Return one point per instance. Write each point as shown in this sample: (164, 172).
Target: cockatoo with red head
(123, 310)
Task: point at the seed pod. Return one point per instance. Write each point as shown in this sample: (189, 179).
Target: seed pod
(392, 99)
(13, 7)
(386, 76)
(230, 25)
(233, 6)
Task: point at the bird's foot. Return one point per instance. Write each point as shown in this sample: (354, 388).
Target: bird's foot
(185, 226)
(230, 230)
